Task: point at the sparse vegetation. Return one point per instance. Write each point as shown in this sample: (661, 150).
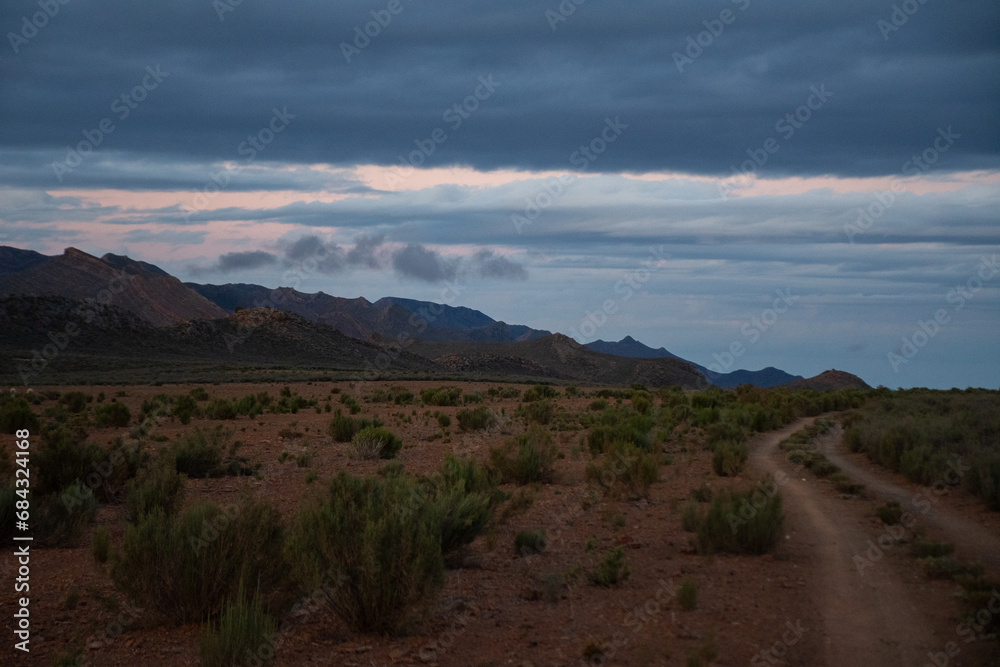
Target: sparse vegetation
(526, 458)
(738, 522)
(375, 442)
(528, 542)
(611, 570)
(475, 419)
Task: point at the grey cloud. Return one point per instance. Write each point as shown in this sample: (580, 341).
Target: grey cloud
(328, 257)
(416, 261)
(238, 261)
(363, 252)
(488, 264)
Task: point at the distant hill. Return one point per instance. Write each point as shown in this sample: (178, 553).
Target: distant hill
(388, 317)
(630, 347)
(143, 289)
(828, 381)
(110, 339)
(559, 357)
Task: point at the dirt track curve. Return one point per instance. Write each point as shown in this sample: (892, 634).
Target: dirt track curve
(877, 609)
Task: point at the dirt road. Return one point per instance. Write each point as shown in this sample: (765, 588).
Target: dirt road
(874, 605)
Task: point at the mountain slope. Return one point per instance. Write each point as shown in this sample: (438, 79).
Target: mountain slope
(559, 357)
(830, 380)
(143, 289)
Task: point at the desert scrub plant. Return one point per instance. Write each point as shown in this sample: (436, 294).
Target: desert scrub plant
(537, 412)
(924, 548)
(687, 594)
(100, 545)
(526, 458)
(460, 499)
(691, 516)
(62, 458)
(242, 630)
(442, 396)
(187, 568)
(538, 392)
(624, 467)
(343, 428)
(612, 569)
(529, 542)
(890, 513)
(729, 458)
(475, 419)
(220, 408)
(58, 520)
(374, 537)
(16, 414)
(443, 420)
(374, 442)
(155, 487)
(112, 414)
(742, 522)
(201, 453)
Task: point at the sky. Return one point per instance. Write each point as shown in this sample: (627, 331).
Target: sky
(746, 183)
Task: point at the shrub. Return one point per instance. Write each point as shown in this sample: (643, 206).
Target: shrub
(702, 494)
(538, 393)
(243, 628)
(624, 467)
(199, 394)
(442, 396)
(189, 568)
(220, 408)
(687, 594)
(16, 414)
(200, 454)
(374, 537)
(157, 488)
(525, 459)
(611, 570)
(112, 414)
(186, 407)
(75, 401)
(374, 442)
(443, 420)
(539, 412)
(343, 428)
(890, 513)
(747, 522)
(58, 520)
(730, 458)
(100, 545)
(691, 516)
(528, 542)
(475, 419)
(61, 459)
(598, 405)
(930, 549)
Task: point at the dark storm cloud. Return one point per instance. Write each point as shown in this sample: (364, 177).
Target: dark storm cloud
(364, 251)
(487, 264)
(312, 250)
(239, 261)
(416, 261)
(226, 82)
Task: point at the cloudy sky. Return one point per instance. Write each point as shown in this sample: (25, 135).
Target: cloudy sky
(808, 185)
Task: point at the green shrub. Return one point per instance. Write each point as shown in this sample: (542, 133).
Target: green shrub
(242, 635)
(442, 396)
(201, 453)
(528, 542)
(112, 414)
(687, 594)
(691, 516)
(923, 548)
(61, 459)
(100, 545)
(890, 513)
(188, 568)
(443, 420)
(376, 539)
(475, 419)
(220, 408)
(538, 412)
(611, 570)
(75, 401)
(538, 392)
(374, 442)
(199, 394)
(741, 522)
(702, 494)
(16, 414)
(343, 428)
(730, 458)
(58, 520)
(185, 407)
(598, 405)
(526, 458)
(474, 397)
(946, 567)
(158, 487)
(624, 467)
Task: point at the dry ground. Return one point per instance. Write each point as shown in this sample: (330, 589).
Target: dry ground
(498, 610)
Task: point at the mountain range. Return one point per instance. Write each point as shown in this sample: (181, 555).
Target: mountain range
(75, 312)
